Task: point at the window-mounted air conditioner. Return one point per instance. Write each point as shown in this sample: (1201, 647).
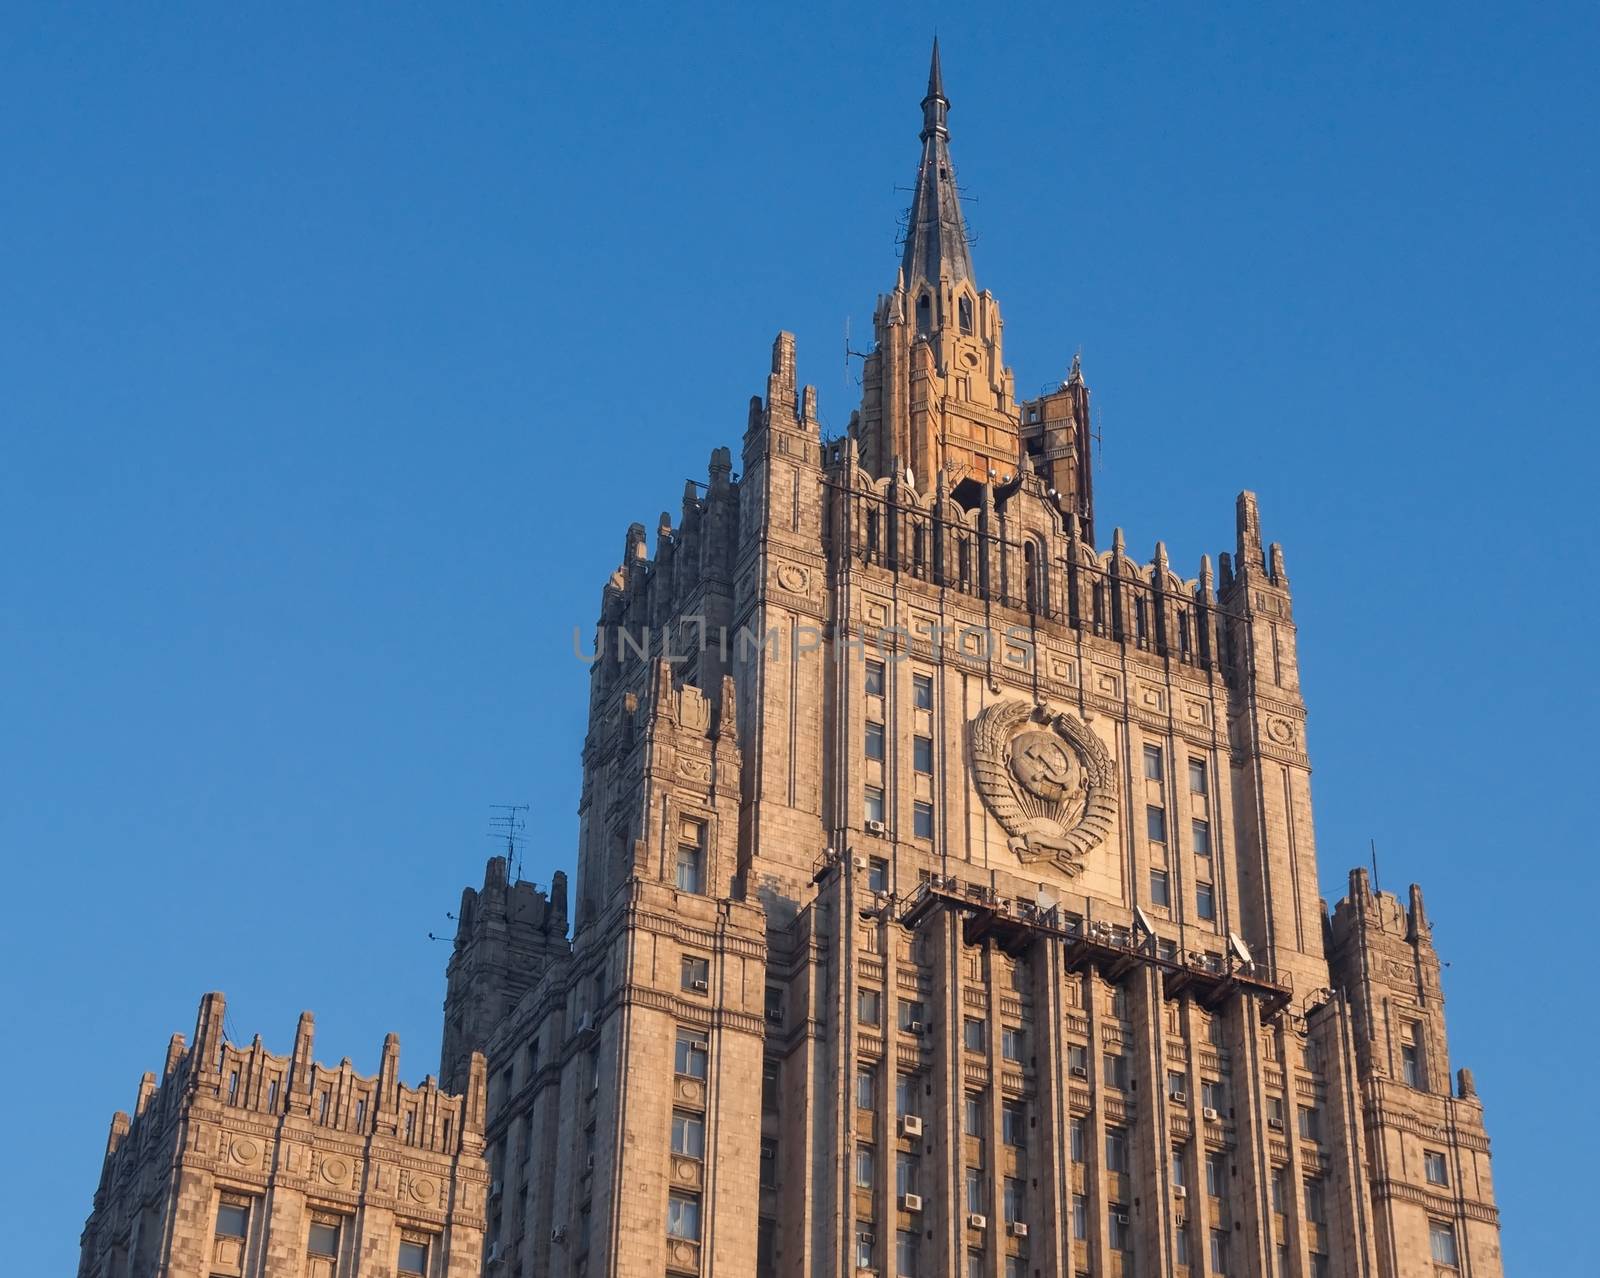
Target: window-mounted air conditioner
(912, 1202)
(1178, 1191)
(875, 827)
(1019, 1229)
(976, 1220)
(911, 1124)
(1275, 1123)
(1211, 1115)
(700, 986)
(1179, 1098)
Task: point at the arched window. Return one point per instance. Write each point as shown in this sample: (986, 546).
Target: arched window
(872, 530)
(964, 313)
(1031, 584)
(964, 562)
(925, 314)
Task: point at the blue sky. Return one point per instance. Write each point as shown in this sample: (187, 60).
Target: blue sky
(339, 348)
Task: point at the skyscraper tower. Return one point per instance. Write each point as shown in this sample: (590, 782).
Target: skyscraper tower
(947, 898)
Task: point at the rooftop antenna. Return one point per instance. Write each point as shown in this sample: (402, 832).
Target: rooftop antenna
(848, 353)
(509, 824)
(1374, 845)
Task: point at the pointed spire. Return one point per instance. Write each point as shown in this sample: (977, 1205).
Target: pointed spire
(936, 233)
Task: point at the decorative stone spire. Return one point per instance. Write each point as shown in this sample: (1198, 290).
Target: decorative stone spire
(936, 234)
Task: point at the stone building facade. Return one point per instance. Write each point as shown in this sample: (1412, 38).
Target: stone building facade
(237, 1163)
(947, 898)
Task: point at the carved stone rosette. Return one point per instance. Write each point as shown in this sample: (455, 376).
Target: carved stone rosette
(1047, 780)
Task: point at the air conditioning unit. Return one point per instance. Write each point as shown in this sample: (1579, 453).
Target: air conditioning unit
(875, 827)
(865, 1237)
(911, 1125)
(495, 1188)
(1019, 1229)
(1122, 1218)
(1275, 1123)
(1080, 1071)
(977, 1221)
(700, 987)
(860, 862)
(912, 1202)
(1211, 1115)
(775, 1016)
(1178, 1191)
(914, 1027)
(1178, 1098)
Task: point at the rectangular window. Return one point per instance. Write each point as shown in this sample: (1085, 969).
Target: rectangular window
(1280, 1189)
(769, 1163)
(905, 1091)
(1205, 903)
(1213, 1095)
(1179, 1175)
(922, 754)
(1155, 823)
(1200, 836)
(695, 974)
(863, 1250)
(1011, 1042)
(1433, 1166)
(413, 1259)
(1310, 1123)
(688, 1134)
(1015, 1200)
(1411, 1059)
(1153, 770)
(874, 680)
(911, 1014)
(1013, 1123)
(1316, 1201)
(972, 1115)
(974, 1190)
(323, 1240)
(1177, 1083)
(1080, 1217)
(1114, 1071)
(905, 1175)
(1117, 1149)
(905, 1251)
(1216, 1172)
(1442, 1243)
(1160, 893)
(922, 819)
(232, 1220)
(1078, 1060)
(1120, 1229)
(1076, 1141)
(1219, 1251)
(683, 1216)
(691, 869)
(972, 1036)
(1181, 1251)
(877, 875)
(866, 1167)
(691, 1056)
(922, 691)
(769, 1087)
(874, 804)
(866, 1088)
(1197, 775)
(875, 741)
(869, 1007)
(974, 1258)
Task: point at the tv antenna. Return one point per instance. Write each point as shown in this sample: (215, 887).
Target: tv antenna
(848, 353)
(509, 825)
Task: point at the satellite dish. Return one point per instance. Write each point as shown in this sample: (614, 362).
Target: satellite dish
(1143, 920)
(1241, 951)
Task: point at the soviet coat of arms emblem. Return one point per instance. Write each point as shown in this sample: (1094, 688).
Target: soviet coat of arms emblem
(1047, 780)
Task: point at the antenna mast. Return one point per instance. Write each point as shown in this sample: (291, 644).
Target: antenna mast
(509, 824)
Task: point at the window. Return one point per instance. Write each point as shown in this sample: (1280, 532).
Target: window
(1011, 1042)
(1114, 1071)
(1275, 1112)
(964, 313)
(691, 1056)
(1179, 1155)
(1442, 1243)
(874, 741)
(877, 875)
(1411, 1055)
(232, 1219)
(905, 1089)
(1155, 823)
(1153, 770)
(1219, 1251)
(874, 678)
(1078, 1060)
(910, 1014)
(869, 1007)
(972, 1036)
(1434, 1167)
(922, 819)
(1316, 1201)
(1119, 1002)
(1177, 1083)
(1160, 893)
(769, 1163)
(922, 754)
(1013, 1122)
(1117, 1149)
(1205, 903)
(1310, 1123)
(863, 1250)
(1120, 1229)
(1320, 1267)
(323, 1240)
(972, 1114)
(1200, 836)
(1280, 1189)
(866, 1167)
(1197, 776)
(874, 804)
(683, 1216)
(866, 1088)
(361, 1109)
(1181, 1252)
(413, 1257)
(905, 1251)
(695, 974)
(1216, 1172)
(775, 1004)
(690, 869)
(1015, 1200)
(974, 1264)
(974, 1190)
(1075, 1140)
(922, 691)
(1080, 1217)
(905, 1175)
(1213, 1095)
(688, 1134)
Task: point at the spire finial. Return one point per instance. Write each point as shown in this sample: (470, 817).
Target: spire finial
(935, 76)
(936, 233)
